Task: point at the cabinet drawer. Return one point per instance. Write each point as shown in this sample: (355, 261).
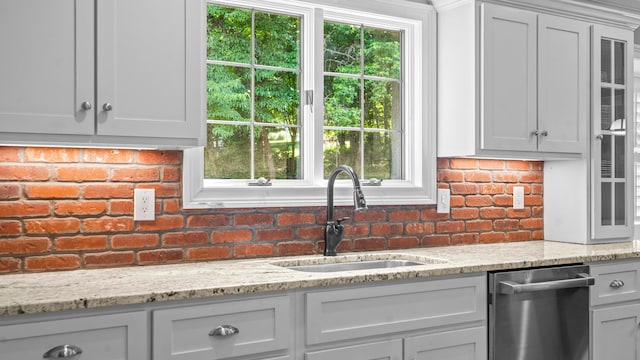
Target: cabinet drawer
(619, 281)
(387, 350)
(264, 325)
(105, 337)
(360, 312)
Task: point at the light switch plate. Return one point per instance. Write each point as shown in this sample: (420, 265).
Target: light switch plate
(444, 201)
(144, 204)
(518, 197)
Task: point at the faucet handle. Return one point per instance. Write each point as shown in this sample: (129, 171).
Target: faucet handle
(340, 220)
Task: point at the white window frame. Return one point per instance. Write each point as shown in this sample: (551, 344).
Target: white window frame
(418, 22)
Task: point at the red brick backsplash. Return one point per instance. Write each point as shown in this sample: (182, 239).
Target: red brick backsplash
(63, 209)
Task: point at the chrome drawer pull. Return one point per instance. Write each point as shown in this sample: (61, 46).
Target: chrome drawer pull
(224, 330)
(62, 351)
(616, 284)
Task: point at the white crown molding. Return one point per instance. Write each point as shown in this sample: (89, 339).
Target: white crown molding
(599, 11)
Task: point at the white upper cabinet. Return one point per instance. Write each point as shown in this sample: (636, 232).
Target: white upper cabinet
(47, 66)
(509, 71)
(563, 85)
(599, 187)
(115, 73)
(613, 134)
(515, 83)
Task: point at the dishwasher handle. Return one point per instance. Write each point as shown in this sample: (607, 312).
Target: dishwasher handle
(511, 287)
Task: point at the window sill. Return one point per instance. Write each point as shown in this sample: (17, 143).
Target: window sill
(197, 196)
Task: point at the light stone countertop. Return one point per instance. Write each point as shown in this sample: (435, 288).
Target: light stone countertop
(67, 290)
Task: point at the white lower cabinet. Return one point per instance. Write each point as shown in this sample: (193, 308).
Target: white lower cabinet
(465, 344)
(441, 318)
(101, 337)
(616, 333)
(615, 311)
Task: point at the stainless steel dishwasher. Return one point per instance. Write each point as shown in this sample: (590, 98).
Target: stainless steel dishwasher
(540, 314)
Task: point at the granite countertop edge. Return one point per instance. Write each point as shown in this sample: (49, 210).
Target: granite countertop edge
(46, 292)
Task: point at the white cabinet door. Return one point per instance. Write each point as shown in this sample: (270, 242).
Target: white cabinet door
(466, 344)
(563, 84)
(615, 333)
(508, 79)
(148, 68)
(612, 134)
(46, 66)
(381, 350)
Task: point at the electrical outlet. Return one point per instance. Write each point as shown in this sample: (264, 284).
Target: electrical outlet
(144, 204)
(518, 197)
(444, 201)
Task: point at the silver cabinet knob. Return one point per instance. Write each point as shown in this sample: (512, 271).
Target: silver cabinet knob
(224, 330)
(535, 133)
(62, 351)
(599, 136)
(107, 107)
(544, 133)
(86, 105)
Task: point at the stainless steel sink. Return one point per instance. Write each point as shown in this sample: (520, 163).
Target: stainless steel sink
(355, 262)
(356, 265)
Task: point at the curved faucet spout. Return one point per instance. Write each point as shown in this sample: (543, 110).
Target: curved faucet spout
(333, 228)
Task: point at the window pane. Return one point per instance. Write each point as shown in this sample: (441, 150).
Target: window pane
(341, 101)
(228, 152)
(382, 155)
(605, 61)
(277, 97)
(341, 148)
(228, 93)
(382, 53)
(277, 40)
(228, 34)
(619, 62)
(277, 153)
(342, 48)
(382, 104)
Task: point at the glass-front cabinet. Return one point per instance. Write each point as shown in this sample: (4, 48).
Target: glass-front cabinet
(612, 134)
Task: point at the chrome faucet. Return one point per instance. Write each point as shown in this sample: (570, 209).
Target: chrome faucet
(333, 228)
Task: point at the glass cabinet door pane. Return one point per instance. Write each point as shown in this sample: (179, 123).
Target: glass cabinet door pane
(606, 109)
(620, 203)
(605, 157)
(605, 61)
(619, 62)
(620, 157)
(605, 204)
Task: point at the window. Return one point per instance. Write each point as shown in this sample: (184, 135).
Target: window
(295, 89)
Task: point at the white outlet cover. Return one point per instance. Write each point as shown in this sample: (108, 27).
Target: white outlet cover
(444, 201)
(144, 204)
(518, 197)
